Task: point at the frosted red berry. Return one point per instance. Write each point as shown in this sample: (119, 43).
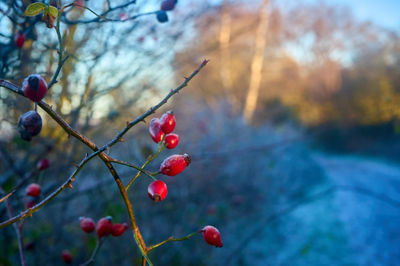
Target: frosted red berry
(174, 164)
(167, 5)
(104, 226)
(29, 125)
(212, 236)
(171, 141)
(155, 130)
(33, 190)
(34, 87)
(19, 39)
(43, 164)
(118, 229)
(157, 190)
(167, 122)
(87, 224)
(66, 255)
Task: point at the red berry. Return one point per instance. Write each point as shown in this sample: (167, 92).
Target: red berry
(118, 229)
(43, 164)
(104, 226)
(29, 125)
(211, 209)
(174, 164)
(35, 87)
(67, 256)
(167, 122)
(167, 5)
(123, 16)
(87, 224)
(155, 130)
(19, 39)
(212, 236)
(30, 204)
(171, 141)
(157, 190)
(33, 190)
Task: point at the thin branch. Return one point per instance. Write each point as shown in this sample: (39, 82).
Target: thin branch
(61, 61)
(171, 239)
(18, 231)
(160, 149)
(99, 242)
(132, 166)
(152, 110)
(38, 206)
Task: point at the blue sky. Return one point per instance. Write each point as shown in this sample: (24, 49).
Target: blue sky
(382, 12)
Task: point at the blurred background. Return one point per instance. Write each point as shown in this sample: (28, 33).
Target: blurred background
(293, 129)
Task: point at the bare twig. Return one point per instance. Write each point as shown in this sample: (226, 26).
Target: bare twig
(171, 239)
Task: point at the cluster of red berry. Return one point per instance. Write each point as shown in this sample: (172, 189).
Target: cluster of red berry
(161, 130)
(104, 227)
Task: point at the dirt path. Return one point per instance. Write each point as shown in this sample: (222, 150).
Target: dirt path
(372, 224)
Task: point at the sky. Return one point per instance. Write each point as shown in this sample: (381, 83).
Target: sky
(383, 12)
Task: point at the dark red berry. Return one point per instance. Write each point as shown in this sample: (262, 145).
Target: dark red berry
(19, 39)
(211, 210)
(157, 190)
(162, 16)
(33, 190)
(30, 245)
(174, 164)
(104, 226)
(43, 164)
(167, 122)
(167, 5)
(87, 224)
(118, 229)
(29, 125)
(66, 255)
(35, 87)
(155, 130)
(171, 141)
(30, 204)
(212, 236)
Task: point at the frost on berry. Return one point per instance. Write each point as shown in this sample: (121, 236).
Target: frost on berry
(29, 125)
(167, 122)
(175, 164)
(212, 236)
(155, 130)
(104, 226)
(34, 87)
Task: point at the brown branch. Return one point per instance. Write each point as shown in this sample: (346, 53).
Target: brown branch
(151, 110)
(38, 206)
(48, 109)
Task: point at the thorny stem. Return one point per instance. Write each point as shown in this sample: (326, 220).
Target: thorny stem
(100, 152)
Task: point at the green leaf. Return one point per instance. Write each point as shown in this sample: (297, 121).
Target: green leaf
(34, 9)
(53, 11)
